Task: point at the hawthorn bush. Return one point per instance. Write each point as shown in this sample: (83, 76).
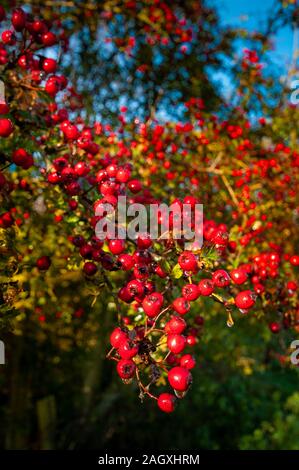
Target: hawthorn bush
(220, 315)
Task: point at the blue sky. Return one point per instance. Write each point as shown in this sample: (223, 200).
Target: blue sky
(251, 14)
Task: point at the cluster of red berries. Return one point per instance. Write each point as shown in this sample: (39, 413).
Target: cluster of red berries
(158, 281)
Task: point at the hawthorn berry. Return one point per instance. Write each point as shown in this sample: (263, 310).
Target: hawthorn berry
(117, 337)
(176, 325)
(4, 108)
(141, 272)
(49, 39)
(144, 241)
(190, 292)
(188, 261)
(179, 378)
(90, 268)
(187, 361)
(181, 305)
(294, 260)
(6, 127)
(126, 261)
(176, 343)
(191, 340)
(239, 276)
(245, 299)
(275, 327)
(18, 19)
(152, 304)
(135, 288)
(22, 158)
(134, 186)
(259, 288)
(125, 295)
(126, 350)
(116, 246)
(49, 65)
(43, 263)
(123, 175)
(206, 287)
(221, 278)
(166, 402)
(291, 285)
(8, 37)
(126, 368)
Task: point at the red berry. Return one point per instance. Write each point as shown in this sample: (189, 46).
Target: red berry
(126, 350)
(18, 19)
(86, 251)
(179, 378)
(176, 343)
(49, 65)
(71, 132)
(199, 320)
(166, 402)
(221, 278)
(43, 263)
(206, 287)
(134, 186)
(125, 368)
(73, 204)
(191, 340)
(220, 237)
(188, 261)
(116, 246)
(135, 288)
(8, 37)
(274, 327)
(125, 295)
(190, 292)
(21, 158)
(90, 268)
(181, 305)
(123, 175)
(245, 299)
(49, 39)
(187, 361)
(292, 286)
(239, 276)
(112, 170)
(294, 260)
(4, 108)
(152, 304)
(144, 241)
(259, 288)
(126, 261)
(176, 325)
(6, 127)
(117, 337)
(6, 220)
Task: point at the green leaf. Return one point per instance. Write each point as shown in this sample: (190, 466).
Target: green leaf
(177, 271)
